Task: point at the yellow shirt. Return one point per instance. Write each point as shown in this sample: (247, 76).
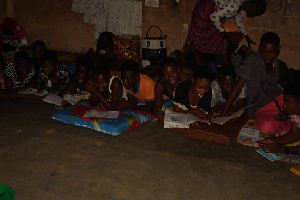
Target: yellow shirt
(145, 89)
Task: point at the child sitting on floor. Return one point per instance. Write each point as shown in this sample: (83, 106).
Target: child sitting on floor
(222, 88)
(53, 77)
(165, 85)
(19, 75)
(104, 91)
(292, 107)
(138, 87)
(78, 81)
(263, 73)
(195, 96)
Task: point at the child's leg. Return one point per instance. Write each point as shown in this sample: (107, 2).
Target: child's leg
(266, 118)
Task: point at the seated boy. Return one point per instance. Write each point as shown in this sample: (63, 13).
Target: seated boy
(292, 107)
(138, 87)
(263, 73)
(19, 75)
(53, 76)
(222, 88)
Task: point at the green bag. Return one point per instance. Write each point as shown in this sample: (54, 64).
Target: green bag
(6, 193)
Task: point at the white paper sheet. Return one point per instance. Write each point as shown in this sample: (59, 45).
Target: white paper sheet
(104, 114)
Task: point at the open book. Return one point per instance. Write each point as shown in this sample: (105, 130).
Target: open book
(57, 100)
(178, 120)
(222, 120)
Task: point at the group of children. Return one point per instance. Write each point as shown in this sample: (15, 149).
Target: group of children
(260, 81)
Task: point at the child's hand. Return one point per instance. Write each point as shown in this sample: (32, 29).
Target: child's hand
(272, 147)
(200, 114)
(90, 86)
(195, 125)
(158, 111)
(283, 117)
(54, 79)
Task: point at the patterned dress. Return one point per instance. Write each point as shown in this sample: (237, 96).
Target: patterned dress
(63, 77)
(206, 24)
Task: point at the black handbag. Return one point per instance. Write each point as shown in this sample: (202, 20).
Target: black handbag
(153, 48)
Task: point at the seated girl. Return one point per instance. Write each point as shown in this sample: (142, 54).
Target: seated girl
(195, 96)
(291, 107)
(53, 77)
(222, 88)
(165, 85)
(19, 75)
(104, 91)
(78, 81)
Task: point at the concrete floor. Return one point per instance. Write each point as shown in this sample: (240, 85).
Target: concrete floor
(41, 158)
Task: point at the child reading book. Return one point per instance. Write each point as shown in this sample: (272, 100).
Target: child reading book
(292, 107)
(19, 74)
(53, 77)
(78, 81)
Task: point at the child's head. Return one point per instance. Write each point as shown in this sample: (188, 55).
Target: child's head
(227, 79)
(49, 62)
(186, 73)
(292, 98)
(22, 65)
(254, 7)
(202, 81)
(170, 73)
(130, 74)
(101, 77)
(269, 47)
(83, 69)
(38, 48)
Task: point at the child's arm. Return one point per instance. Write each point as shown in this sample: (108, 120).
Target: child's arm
(277, 144)
(116, 90)
(290, 137)
(159, 91)
(237, 90)
(147, 108)
(199, 113)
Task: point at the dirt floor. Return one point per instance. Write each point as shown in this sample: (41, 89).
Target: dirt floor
(41, 158)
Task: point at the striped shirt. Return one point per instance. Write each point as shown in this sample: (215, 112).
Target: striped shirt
(10, 71)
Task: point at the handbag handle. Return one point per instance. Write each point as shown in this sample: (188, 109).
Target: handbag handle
(152, 27)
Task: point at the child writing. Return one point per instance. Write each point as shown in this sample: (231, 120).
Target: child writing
(138, 87)
(195, 96)
(53, 77)
(292, 107)
(165, 85)
(222, 88)
(19, 75)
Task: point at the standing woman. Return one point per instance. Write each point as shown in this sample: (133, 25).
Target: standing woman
(206, 31)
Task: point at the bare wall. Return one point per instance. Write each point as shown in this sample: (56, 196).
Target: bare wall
(55, 23)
